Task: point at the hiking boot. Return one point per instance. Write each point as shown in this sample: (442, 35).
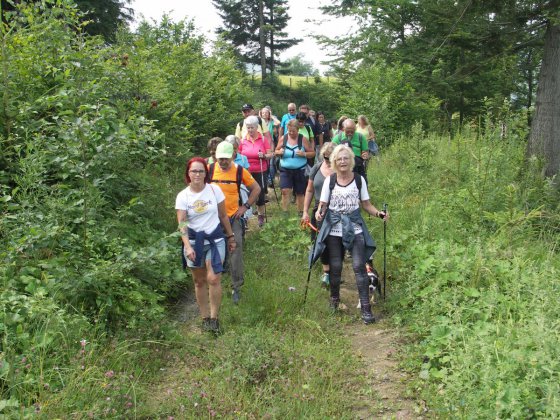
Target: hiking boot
(325, 280)
(236, 295)
(214, 326)
(261, 220)
(205, 324)
(335, 301)
(367, 316)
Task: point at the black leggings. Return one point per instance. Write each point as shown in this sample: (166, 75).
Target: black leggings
(336, 256)
(262, 180)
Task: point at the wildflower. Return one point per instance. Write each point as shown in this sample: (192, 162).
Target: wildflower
(109, 374)
(292, 289)
(83, 343)
(23, 359)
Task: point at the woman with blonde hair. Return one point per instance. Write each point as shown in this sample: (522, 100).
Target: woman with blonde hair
(364, 128)
(343, 227)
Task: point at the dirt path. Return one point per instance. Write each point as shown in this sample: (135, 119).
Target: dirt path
(378, 346)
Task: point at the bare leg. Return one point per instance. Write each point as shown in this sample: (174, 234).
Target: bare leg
(215, 290)
(299, 202)
(286, 198)
(201, 291)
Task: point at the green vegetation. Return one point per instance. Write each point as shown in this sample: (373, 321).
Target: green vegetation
(93, 142)
(474, 257)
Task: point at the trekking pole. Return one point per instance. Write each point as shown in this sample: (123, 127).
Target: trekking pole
(384, 250)
(264, 185)
(310, 261)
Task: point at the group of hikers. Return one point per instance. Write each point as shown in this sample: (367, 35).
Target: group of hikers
(313, 158)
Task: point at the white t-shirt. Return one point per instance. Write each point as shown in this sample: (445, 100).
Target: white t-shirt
(345, 200)
(201, 207)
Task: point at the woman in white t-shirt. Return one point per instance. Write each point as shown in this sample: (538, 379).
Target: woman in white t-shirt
(202, 218)
(344, 228)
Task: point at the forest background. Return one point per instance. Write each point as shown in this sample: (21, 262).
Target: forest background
(95, 130)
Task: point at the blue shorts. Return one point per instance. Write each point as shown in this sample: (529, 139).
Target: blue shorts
(207, 255)
(293, 179)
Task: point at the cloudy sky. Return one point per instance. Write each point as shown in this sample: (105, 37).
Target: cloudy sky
(207, 20)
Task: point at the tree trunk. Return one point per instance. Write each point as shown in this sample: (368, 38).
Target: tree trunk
(272, 38)
(544, 140)
(261, 39)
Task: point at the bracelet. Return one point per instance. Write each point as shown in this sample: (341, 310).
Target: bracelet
(230, 236)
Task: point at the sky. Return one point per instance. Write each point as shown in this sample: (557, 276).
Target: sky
(206, 19)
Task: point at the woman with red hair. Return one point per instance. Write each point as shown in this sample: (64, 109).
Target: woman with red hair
(202, 218)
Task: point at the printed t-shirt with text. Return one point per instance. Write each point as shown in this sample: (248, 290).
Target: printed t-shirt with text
(201, 207)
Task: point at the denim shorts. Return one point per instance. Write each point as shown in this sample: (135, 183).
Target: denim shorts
(207, 255)
(293, 179)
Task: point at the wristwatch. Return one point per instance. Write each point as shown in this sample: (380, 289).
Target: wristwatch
(246, 204)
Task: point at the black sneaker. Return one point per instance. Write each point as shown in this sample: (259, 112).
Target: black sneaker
(214, 326)
(205, 324)
(236, 296)
(333, 305)
(367, 316)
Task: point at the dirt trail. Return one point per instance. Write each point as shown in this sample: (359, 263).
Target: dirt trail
(378, 346)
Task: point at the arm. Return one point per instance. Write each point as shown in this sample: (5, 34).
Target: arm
(364, 148)
(321, 210)
(307, 201)
(370, 209)
(309, 152)
(254, 191)
(182, 221)
(224, 220)
(279, 147)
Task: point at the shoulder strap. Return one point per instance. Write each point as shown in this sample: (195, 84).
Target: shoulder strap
(358, 179)
(239, 179)
(300, 141)
(308, 132)
(332, 183)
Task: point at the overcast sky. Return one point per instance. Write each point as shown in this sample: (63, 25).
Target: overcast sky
(207, 20)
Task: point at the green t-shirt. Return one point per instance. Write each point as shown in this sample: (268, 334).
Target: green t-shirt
(358, 142)
(309, 134)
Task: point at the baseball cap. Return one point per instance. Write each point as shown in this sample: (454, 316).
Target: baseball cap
(224, 150)
(247, 107)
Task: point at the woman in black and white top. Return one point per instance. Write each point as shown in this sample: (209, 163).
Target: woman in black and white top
(344, 228)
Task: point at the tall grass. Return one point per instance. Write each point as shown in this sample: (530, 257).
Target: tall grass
(474, 261)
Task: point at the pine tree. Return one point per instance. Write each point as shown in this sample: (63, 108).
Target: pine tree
(243, 27)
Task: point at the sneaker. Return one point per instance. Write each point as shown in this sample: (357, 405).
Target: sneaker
(236, 295)
(205, 324)
(325, 280)
(261, 220)
(214, 326)
(334, 303)
(367, 316)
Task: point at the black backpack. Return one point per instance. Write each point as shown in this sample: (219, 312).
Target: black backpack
(332, 183)
(238, 178)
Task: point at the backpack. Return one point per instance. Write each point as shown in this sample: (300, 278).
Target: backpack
(238, 178)
(358, 161)
(332, 183)
(310, 161)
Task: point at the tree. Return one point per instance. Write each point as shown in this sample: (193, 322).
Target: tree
(103, 16)
(464, 51)
(252, 32)
(544, 140)
(297, 66)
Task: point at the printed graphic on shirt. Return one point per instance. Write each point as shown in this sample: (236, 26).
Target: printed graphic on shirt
(345, 200)
(200, 206)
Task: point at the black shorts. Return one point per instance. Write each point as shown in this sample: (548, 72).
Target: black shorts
(293, 179)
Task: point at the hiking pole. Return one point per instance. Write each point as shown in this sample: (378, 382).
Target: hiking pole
(384, 250)
(310, 261)
(263, 185)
